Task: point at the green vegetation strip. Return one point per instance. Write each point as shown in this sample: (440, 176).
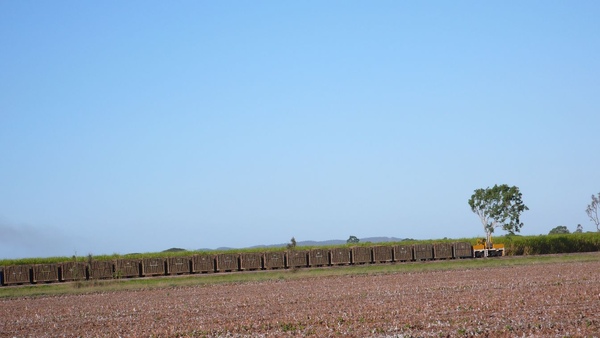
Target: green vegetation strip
(200, 280)
(113, 257)
(514, 245)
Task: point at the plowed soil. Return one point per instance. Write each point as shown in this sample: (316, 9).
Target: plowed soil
(539, 300)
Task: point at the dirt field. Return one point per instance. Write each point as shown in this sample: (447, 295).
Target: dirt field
(547, 300)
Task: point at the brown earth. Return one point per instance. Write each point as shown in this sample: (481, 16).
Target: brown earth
(540, 300)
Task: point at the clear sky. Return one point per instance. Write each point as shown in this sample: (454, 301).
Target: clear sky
(137, 126)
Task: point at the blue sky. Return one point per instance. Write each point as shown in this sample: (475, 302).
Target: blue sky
(139, 126)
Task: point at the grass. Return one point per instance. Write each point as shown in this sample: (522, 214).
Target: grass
(549, 244)
(84, 287)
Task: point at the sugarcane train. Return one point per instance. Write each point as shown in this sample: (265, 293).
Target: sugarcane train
(243, 261)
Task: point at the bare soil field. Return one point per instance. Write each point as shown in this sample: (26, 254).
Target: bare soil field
(540, 300)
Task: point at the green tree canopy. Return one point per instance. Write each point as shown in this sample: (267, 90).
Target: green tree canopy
(499, 206)
(292, 244)
(561, 229)
(353, 239)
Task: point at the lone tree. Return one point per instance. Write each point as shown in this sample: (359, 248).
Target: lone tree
(592, 210)
(352, 239)
(561, 229)
(292, 244)
(579, 229)
(498, 206)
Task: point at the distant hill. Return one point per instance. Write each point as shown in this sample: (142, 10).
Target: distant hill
(174, 250)
(381, 239)
(304, 243)
(319, 243)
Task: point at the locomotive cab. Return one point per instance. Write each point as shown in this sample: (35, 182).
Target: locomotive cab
(494, 250)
